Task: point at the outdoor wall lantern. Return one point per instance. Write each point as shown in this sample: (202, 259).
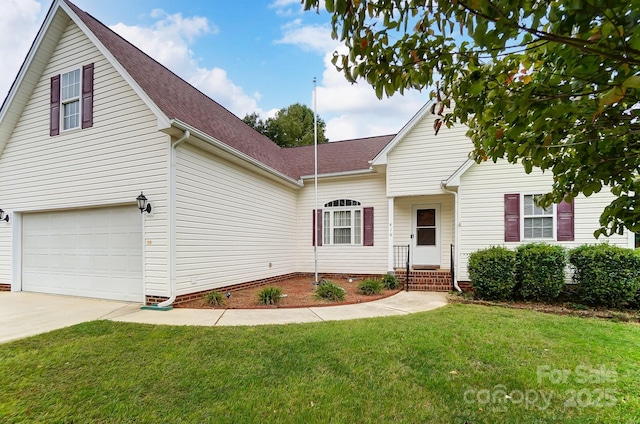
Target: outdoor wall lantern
(143, 205)
(3, 216)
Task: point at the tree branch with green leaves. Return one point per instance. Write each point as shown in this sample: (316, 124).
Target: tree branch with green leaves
(551, 84)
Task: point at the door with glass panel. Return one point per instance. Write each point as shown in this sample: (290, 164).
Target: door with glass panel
(426, 236)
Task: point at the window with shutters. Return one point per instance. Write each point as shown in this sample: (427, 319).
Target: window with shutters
(342, 222)
(537, 222)
(71, 105)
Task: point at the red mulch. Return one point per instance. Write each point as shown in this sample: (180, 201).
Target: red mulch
(300, 292)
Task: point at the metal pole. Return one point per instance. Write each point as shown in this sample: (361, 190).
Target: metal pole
(315, 182)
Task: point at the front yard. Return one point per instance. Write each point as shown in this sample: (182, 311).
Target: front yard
(459, 363)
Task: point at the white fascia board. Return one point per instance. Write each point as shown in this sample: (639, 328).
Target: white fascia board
(454, 179)
(234, 152)
(340, 174)
(381, 158)
(163, 120)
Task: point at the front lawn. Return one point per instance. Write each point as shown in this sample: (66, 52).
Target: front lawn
(455, 364)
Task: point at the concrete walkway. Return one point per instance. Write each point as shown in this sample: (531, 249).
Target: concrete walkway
(26, 314)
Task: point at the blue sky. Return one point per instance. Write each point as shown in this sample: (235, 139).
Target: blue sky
(247, 55)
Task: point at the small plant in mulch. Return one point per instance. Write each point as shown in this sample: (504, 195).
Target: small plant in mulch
(214, 298)
(329, 291)
(390, 282)
(270, 296)
(370, 286)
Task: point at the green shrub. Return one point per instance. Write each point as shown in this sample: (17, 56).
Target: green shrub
(540, 271)
(330, 291)
(390, 282)
(606, 275)
(214, 298)
(370, 286)
(492, 272)
(270, 296)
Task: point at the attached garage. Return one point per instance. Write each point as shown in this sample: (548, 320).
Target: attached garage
(84, 252)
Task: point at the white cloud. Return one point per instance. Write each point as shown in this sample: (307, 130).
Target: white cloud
(349, 110)
(19, 23)
(168, 41)
(287, 7)
(315, 38)
(353, 110)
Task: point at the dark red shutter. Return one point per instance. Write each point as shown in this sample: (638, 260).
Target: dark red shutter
(368, 226)
(87, 96)
(54, 108)
(317, 231)
(565, 221)
(512, 217)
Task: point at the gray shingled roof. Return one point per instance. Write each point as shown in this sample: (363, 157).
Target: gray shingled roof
(338, 156)
(179, 100)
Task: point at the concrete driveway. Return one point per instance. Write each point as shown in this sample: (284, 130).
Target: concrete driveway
(25, 314)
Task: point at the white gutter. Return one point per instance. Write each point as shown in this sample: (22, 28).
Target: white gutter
(443, 186)
(340, 174)
(171, 217)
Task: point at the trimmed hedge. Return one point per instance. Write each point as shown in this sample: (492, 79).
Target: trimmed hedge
(492, 272)
(540, 271)
(606, 275)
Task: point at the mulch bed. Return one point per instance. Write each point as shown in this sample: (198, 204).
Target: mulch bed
(556, 308)
(300, 293)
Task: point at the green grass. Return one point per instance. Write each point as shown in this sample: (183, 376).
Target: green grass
(415, 368)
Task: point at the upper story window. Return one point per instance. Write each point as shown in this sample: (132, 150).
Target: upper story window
(70, 99)
(342, 222)
(537, 222)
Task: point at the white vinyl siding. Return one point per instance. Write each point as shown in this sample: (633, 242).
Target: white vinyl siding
(481, 197)
(369, 190)
(108, 164)
(421, 160)
(232, 225)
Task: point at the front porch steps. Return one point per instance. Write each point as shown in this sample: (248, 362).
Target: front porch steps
(438, 280)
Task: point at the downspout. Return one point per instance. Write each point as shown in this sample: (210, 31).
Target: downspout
(443, 186)
(171, 216)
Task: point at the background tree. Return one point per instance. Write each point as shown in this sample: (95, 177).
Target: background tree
(549, 84)
(291, 127)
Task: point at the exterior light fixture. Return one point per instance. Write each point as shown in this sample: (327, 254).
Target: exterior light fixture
(3, 216)
(143, 205)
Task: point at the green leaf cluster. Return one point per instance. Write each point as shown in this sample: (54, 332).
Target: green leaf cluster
(370, 286)
(606, 275)
(553, 85)
(540, 271)
(270, 295)
(328, 290)
(290, 127)
(492, 272)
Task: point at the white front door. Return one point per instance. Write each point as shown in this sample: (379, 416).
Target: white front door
(426, 236)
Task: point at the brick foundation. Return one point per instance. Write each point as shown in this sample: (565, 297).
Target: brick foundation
(151, 300)
(427, 280)
(5, 287)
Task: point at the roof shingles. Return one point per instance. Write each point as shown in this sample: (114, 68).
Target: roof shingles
(179, 100)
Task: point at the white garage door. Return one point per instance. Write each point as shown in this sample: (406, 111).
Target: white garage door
(89, 252)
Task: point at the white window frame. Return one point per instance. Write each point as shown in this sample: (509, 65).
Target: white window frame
(523, 217)
(328, 222)
(69, 100)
